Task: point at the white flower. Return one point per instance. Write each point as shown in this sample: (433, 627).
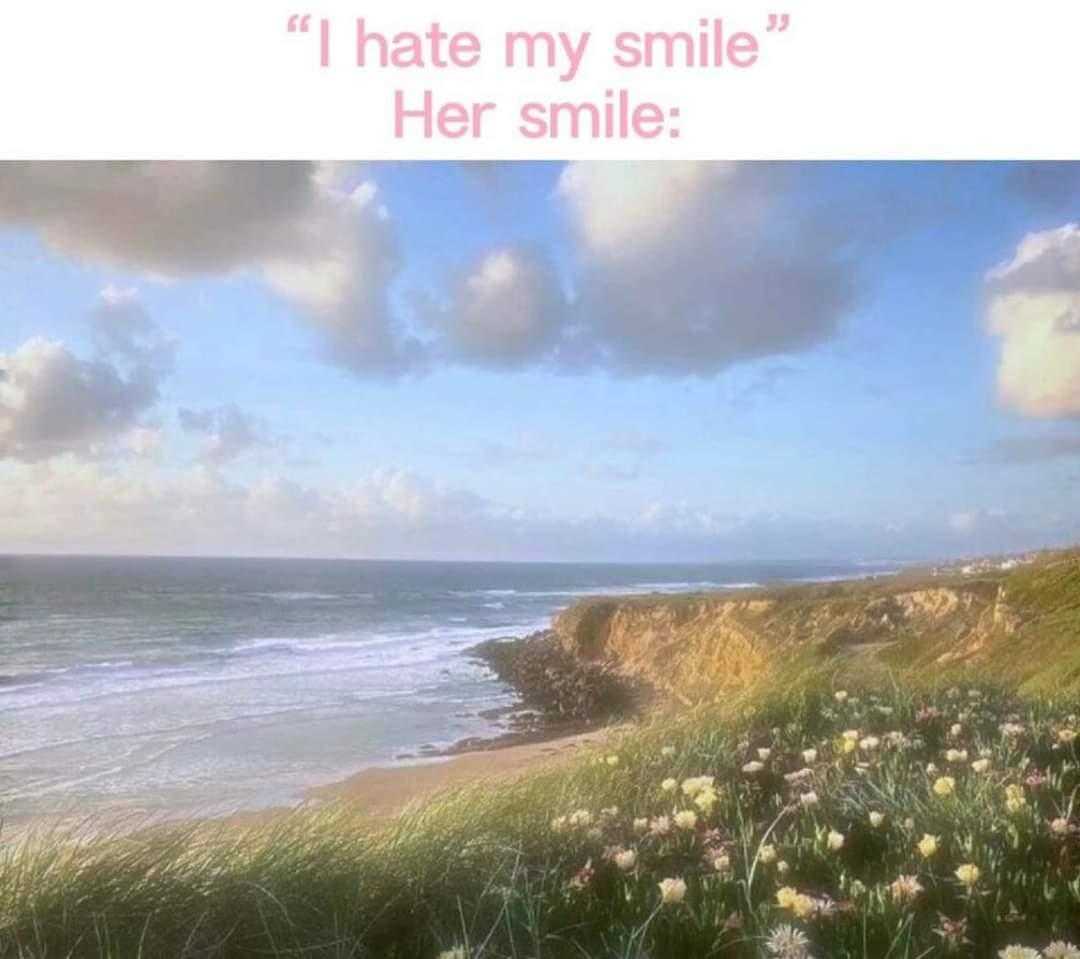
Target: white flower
(672, 891)
(1061, 950)
(767, 854)
(956, 755)
(625, 859)
(763, 754)
(753, 767)
(1059, 826)
(1018, 952)
(808, 799)
(641, 825)
(876, 819)
(581, 817)
(905, 888)
(981, 765)
(809, 756)
(782, 867)
(669, 785)
(787, 942)
(851, 735)
(835, 840)
(869, 744)
(722, 864)
(660, 826)
(956, 731)
(667, 752)
(458, 952)
(558, 824)
(840, 695)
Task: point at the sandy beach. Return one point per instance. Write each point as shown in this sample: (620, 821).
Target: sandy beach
(384, 791)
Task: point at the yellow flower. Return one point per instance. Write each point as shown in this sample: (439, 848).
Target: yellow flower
(944, 786)
(669, 785)
(625, 859)
(981, 765)
(786, 896)
(686, 819)
(767, 854)
(928, 845)
(612, 760)
(849, 746)
(968, 874)
(804, 906)
(1015, 800)
(1066, 736)
(706, 799)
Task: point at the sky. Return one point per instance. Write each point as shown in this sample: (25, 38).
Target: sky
(515, 361)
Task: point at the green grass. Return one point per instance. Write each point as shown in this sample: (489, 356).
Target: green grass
(495, 871)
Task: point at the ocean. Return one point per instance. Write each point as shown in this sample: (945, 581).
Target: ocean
(200, 686)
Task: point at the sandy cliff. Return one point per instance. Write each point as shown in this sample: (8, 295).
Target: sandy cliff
(1022, 624)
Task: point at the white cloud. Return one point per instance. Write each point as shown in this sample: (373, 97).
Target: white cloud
(330, 250)
(687, 268)
(1034, 309)
(228, 432)
(52, 401)
(507, 310)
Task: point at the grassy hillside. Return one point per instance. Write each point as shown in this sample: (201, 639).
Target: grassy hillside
(889, 784)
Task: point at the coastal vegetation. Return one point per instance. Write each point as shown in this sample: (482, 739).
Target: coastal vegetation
(893, 773)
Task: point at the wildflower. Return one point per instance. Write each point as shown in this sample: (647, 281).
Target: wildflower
(869, 743)
(840, 696)
(968, 874)
(956, 755)
(1018, 952)
(583, 876)
(686, 819)
(909, 824)
(1011, 730)
(981, 765)
(787, 942)
(667, 752)
(944, 786)
(669, 785)
(835, 840)
(641, 825)
(809, 756)
(876, 819)
(782, 867)
(625, 859)
(706, 799)
(799, 775)
(609, 812)
(612, 760)
(767, 854)
(581, 817)
(808, 799)
(695, 784)
(558, 824)
(672, 891)
(857, 889)
(786, 896)
(1061, 950)
(931, 769)
(851, 735)
(928, 845)
(1060, 826)
(1015, 800)
(722, 863)
(764, 753)
(953, 932)
(457, 952)
(660, 826)
(956, 730)
(804, 906)
(1066, 736)
(904, 889)
(753, 767)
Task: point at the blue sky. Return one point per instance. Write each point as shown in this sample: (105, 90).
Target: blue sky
(539, 361)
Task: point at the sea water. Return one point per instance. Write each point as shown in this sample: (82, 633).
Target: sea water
(156, 686)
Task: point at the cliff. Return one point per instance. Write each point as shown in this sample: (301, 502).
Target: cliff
(1019, 624)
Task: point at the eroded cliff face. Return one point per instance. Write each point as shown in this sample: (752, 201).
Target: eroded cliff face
(695, 647)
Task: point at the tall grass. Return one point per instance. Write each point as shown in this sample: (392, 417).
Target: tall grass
(538, 867)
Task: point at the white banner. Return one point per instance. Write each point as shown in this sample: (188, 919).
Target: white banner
(486, 79)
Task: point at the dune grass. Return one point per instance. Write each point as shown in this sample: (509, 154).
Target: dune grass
(568, 862)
